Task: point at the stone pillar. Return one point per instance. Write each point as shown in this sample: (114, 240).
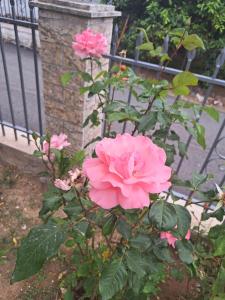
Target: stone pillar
(59, 21)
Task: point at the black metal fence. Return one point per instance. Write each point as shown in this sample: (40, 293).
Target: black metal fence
(12, 63)
(200, 161)
(21, 10)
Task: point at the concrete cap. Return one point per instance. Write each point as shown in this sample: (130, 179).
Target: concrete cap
(79, 8)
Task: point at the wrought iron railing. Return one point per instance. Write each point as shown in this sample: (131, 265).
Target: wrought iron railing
(212, 153)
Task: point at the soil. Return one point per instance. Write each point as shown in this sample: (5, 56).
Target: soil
(20, 201)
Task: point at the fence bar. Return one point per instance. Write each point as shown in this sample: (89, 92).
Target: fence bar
(219, 62)
(36, 71)
(212, 147)
(167, 70)
(7, 82)
(113, 53)
(12, 2)
(139, 41)
(19, 22)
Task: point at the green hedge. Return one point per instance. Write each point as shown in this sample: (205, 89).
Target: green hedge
(159, 17)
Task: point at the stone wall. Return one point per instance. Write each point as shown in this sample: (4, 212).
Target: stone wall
(65, 108)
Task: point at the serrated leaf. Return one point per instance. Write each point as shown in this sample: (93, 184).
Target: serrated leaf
(183, 219)
(216, 231)
(142, 242)
(77, 158)
(163, 253)
(217, 214)
(181, 91)
(147, 122)
(163, 215)
(124, 229)
(72, 210)
(219, 246)
(192, 42)
(212, 112)
(135, 262)
(66, 78)
(113, 279)
(182, 147)
(200, 130)
(146, 46)
(52, 201)
(36, 248)
(109, 225)
(198, 179)
(185, 250)
(185, 79)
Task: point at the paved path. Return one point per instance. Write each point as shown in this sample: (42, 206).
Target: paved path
(196, 155)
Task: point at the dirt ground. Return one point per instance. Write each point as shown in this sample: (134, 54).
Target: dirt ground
(20, 201)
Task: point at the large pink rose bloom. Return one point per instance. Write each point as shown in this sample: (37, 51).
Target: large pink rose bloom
(89, 43)
(125, 171)
(58, 142)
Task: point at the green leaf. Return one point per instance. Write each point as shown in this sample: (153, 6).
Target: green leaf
(66, 78)
(200, 130)
(85, 76)
(192, 42)
(185, 79)
(185, 250)
(218, 288)
(135, 262)
(162, 252)
(37, 153)
(181, 91)
(41, 244)
(147, 122)
(69, 196)
(52, 201)
(146, 46)
(183, 219)
(198, 179)
(142, 242)
(219, 246)
(182, 147)
(113, 279)
(68, 295)
(212, 112)
(109, 225)
(217, 214)
(216, 231)
(124, 229)
(163, 215)
(78, 158)
(72, 210)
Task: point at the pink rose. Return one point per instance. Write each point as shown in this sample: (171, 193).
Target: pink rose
(89, 43)
(171, 240)
(58, 142)
(62, 184)
(125, 171)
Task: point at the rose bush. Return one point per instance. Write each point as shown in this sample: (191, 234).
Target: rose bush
(111, 209)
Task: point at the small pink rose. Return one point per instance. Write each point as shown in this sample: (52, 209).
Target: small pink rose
(171, 240)
(62, 184)
(127, 169)
(89, 44)
(58, 142)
